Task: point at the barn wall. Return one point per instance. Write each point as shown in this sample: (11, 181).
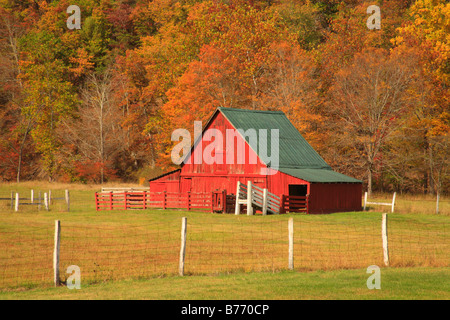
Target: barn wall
(335, 197)
(169, 183)
(220, 123)
(279, 183)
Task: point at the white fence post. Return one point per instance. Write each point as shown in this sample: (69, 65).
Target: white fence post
(291, 243)
(237, 209)
(16, 206)
(46, 200)
(393, 202)
(32, 196)
(365, 200)
(437, 203)
(67, 198)
(384, 235)
(249, 198)
(56, 253)
(264, 206)
(183, 245)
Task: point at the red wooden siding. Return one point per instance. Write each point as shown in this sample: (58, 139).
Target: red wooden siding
(279, 183)
(220, 123)
(335, 197)
(169, 182)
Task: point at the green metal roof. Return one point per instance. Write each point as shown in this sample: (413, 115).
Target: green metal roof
(295, 152)
(319, 175)
(296, 156)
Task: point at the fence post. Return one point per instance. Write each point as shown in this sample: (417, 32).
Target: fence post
(144, 205)
(16, 206)
(237, 209)
(264, 206)
(189, 201)
(249, 198)
(32, 196)
(283, 200)
(224, 199)
(365, 200)
(291, 243)
(183, 245)
(56, 252)
(384, 235)
(67, 196)
(307, 203)
(393, 202)
(46, 201)
(110, 201)
(164, 200)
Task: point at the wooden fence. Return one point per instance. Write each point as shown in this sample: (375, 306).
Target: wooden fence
(17, 201)
(216, 201)
(294, 203)
(255, 197)
(213, 201)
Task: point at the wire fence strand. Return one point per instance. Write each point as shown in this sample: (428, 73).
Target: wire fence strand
(215, 244)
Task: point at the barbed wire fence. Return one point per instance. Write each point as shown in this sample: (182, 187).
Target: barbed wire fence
(115, 251)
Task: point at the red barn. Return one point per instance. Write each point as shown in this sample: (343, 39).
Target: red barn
(300, 170)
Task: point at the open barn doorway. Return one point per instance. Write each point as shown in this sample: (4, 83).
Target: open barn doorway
(297, 190)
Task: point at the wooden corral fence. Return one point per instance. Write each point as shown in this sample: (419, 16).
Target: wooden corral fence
(392, 204)
(124, 189)
(215, 201)
(126, 200)
(255, 197)
(295, 203)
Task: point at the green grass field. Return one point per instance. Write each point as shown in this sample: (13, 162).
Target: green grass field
(396, 283)
(134, 254)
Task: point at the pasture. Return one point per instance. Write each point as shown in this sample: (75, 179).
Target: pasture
(140, 249)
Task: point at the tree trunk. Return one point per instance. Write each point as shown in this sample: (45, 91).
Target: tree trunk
(369, 182)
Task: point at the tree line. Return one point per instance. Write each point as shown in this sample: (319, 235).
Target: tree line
(100, 103)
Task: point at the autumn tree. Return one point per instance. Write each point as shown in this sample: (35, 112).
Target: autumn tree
(95, 136)
(368, 100)
(426, 34)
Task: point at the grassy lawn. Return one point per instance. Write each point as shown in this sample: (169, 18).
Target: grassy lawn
(134, 254)
(396, 283)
